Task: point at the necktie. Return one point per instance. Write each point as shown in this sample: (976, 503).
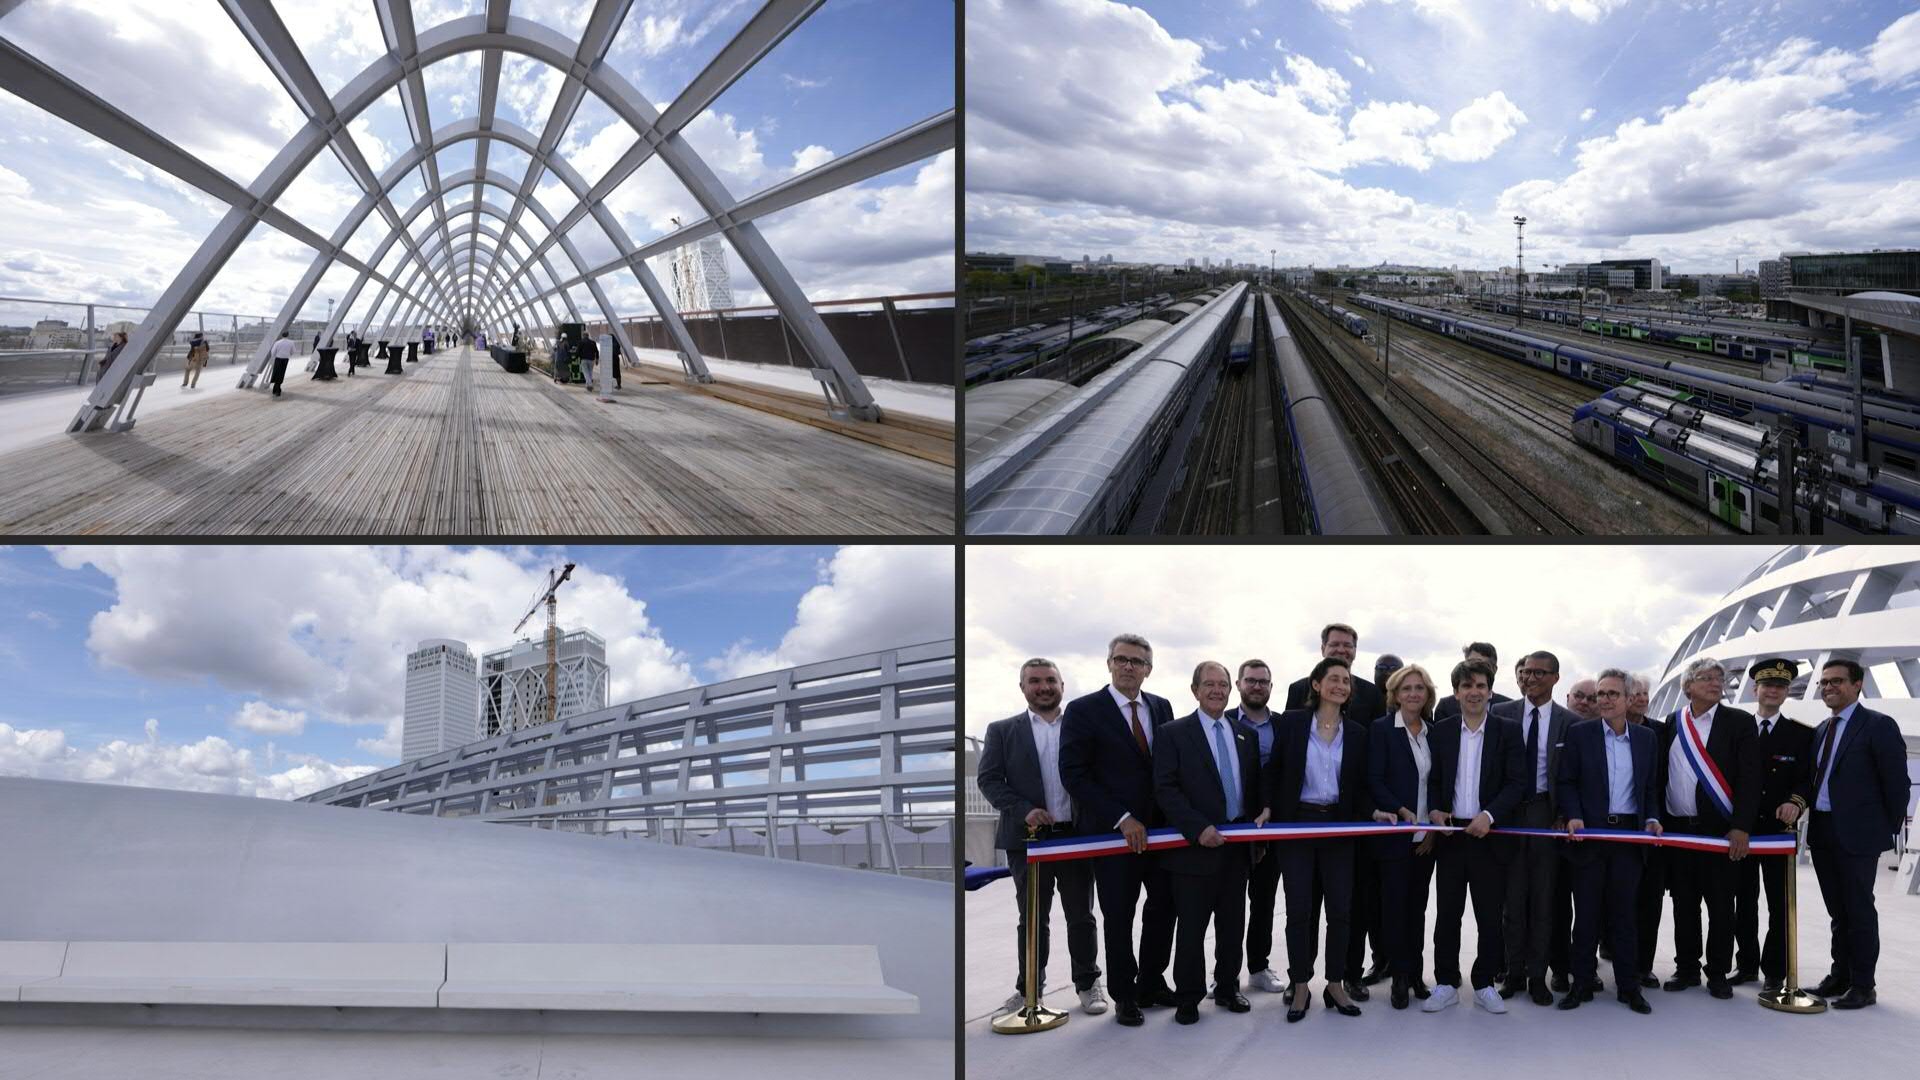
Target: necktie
(1766, 728)
(1826, 756)
(1533, 746)
(1229, 783)
(1139, 733)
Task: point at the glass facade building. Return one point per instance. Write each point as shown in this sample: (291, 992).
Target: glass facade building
(1842, 273)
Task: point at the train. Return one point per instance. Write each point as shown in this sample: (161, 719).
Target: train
(1081, 470)
(1355, 324)
(1725, 466)
(1819, 415)
(1339, 499)
(1241, 349)
(1734, 344)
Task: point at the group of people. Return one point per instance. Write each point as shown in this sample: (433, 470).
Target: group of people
(1345, 749)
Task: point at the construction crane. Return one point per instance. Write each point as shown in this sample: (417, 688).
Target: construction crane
(555, 579)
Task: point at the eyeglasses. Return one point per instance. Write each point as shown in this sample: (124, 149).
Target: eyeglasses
(1607, 693)
(1534, 672)
(1824, 683)
(1258, 682)
(1130, 661)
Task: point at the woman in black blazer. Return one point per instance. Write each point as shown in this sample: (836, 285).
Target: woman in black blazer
(1318, 774)
(1399, 765)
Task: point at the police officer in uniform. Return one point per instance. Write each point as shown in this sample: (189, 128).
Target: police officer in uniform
(1786, 753)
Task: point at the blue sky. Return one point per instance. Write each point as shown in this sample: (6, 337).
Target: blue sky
(266, 669)
(80, 219)
(1413, 130)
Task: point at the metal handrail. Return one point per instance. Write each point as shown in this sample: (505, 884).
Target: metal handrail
(768, 827)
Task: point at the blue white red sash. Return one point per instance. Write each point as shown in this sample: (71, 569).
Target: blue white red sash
(1089, 847)
(1694, 748)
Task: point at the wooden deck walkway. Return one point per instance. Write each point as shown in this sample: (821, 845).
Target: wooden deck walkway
(458, 447)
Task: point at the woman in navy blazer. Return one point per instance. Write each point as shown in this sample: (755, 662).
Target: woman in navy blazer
(1299, 790)
(1399, 767)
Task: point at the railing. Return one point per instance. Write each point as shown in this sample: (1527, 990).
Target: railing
(859, 842)
(57, 357)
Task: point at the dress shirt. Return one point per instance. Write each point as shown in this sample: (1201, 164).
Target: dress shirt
(1681, 779)
(1046, 739)
(1620, 796)
(1126, 720)
(1262, 728)
(1820, 801)
(1466, 780)
(1322, 781)
(1220, 737)
(1528, 712)
(1422, 763)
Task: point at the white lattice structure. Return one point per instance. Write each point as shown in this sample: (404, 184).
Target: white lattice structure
(1810, 604)
(515, 677)
(700, 278)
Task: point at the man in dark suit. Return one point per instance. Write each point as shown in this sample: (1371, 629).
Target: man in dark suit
(1653, 873)
(1106, 763)
(1856, 797)
(1535, 862)
(1449, 706)
(1020, 775)
(1712, 788)
(1367, 704)
(1263, 877)
(1206, 773)
(1479, 777)
(1608, 778)
(1786, 756)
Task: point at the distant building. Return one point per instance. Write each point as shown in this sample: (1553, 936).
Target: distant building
(993, 262)
(1640, 274)
(443, 699)
(1774, 277)
(699, 276)
(1840, 273)
(514, 681)
(55, 334)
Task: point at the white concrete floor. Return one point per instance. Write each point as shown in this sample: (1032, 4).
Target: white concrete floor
(1689, 1035)
(104, 1053)
(931, 400)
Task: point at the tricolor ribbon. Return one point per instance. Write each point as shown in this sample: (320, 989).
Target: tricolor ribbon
(1090, 847)
(1695, 751)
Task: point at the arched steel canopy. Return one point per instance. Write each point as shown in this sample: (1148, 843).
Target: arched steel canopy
(481, 280)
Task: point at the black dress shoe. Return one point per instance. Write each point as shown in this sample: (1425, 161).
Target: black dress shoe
(1831, 986)
(1769, 985)
(1149, 996)
(1571, 1001)
(1596, 985)
(1636, 1002)
(1742, 978)
(1295, 1015)
(1375, 974)
(1128, 1014)
(1650, 982)
(1344, 1010)
(1356, 990)
(1513, 988)
(1559, 983)
(1680, 982)
(1856, 997)
(1400, 995)
(1232, 1001)
(1537, 988)
(1188, 1013)
(1421, 990)
(1720, 988)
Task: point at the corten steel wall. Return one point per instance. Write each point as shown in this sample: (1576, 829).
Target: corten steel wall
(924, 352)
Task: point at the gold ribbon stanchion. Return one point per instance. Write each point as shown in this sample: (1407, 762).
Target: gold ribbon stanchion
(1035, 1016)
(1790, 998)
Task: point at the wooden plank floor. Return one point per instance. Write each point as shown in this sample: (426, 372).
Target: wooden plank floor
(457, 446)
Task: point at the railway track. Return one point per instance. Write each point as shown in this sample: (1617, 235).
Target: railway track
(1213, 477)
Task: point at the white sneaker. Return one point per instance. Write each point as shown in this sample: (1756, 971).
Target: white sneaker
(1266, 980)
(1488, 998)
(1442, 996)
(1014, 1003)
(1093, 1000)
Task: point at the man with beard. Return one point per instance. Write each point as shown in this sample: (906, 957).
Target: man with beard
(1020, 775)
(1786, 753)
(1263, 877)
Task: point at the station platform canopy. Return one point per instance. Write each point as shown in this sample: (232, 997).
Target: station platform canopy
(1893, 311)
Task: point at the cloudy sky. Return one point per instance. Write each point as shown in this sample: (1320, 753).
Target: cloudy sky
(277, 671)
(1356, 131)
(1592, 606)
(79, 219)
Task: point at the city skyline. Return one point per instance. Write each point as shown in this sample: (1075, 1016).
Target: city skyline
(1239, 127)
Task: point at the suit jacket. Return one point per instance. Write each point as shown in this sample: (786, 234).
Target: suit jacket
(1786, 760)
(1103, 768)
(1365, 705)
(1009, 776)
(1393, 781)
(1734, 745)
(1187, 783)
(1504, 776)
(1559, 721)
(1583, 773)
(1867, 786)
(1287, 770)
(1449, 706)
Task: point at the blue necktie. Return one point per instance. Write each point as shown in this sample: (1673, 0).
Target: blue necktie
(1229, 783)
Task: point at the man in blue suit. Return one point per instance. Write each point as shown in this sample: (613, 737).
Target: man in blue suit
(1206, 773)
(1856, 795)
(1609, 778)
(1106, 762)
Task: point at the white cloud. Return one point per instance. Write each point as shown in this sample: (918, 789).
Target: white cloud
(1390, 132)
(12, 183)
(211, 764)
(1477, 130)
(1318, 85)
(869, 598)
(1590, 11)
(1359, 61)
(264, 719)
(1586, 114)
(1895, 53)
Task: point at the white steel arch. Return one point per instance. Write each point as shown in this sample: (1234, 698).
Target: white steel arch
(506, 287)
